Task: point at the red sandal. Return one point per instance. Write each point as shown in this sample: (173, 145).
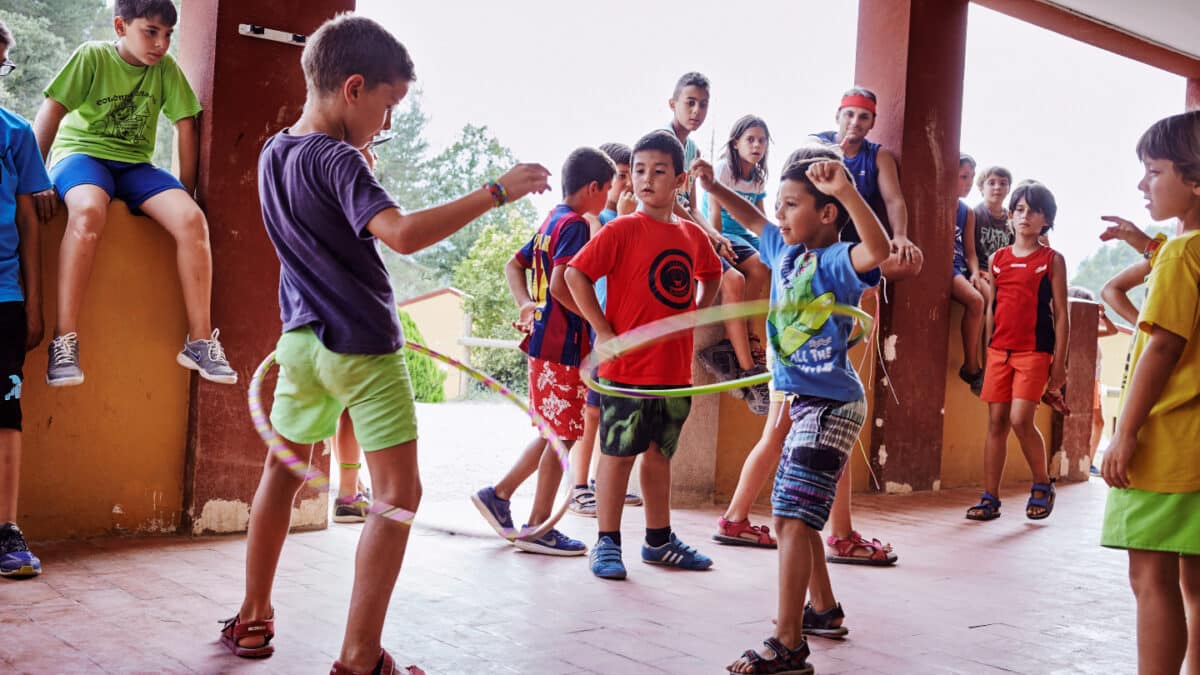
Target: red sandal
(234, 631)
(385, 666)
(841, 550)
(742, 533)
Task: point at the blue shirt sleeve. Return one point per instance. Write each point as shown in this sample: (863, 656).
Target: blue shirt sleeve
(770, 244)
(528, 251)
(31, 173)
(573, 236)
(847, 282)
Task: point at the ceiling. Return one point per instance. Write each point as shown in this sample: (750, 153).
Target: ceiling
(1172, 23)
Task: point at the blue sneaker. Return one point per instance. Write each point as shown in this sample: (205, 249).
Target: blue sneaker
(606, 560)
(494, 510)
(207, 357)
(15, 559)
(552, 543)
(675, 553)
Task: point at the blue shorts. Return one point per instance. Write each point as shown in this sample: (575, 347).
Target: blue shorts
(132, 183)
(960, 267)
(815, 453)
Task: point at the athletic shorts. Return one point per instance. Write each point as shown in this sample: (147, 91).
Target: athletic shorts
(133, 183)
(815, 453)
(960, 267)
(593, 396)
(316, 384)
(629, 425)
(1010, 375)
(12, 361)
(557, 393)
(1152, 521)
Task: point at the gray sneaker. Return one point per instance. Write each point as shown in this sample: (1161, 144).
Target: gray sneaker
(720, 360)
(758, 396)
(208, 358)
(62, 367)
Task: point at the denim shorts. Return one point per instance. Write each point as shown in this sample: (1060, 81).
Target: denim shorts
(132, 183)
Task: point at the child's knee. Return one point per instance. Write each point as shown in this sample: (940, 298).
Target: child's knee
(192, 228)
(733, 285)
(1152, 572)
(86, 222)
(974, 303)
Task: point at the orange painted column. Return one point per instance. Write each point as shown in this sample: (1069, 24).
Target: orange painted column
(250, 89)
(912, 53)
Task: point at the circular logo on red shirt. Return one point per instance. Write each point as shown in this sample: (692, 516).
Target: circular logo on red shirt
(671, 279)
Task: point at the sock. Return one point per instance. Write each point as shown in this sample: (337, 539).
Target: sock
(657, 536)
(614, 536)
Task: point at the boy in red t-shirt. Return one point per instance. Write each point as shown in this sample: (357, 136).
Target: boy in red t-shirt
(1027, 355)
(657, 266)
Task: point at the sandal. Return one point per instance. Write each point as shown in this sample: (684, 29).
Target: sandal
(385, 666)
(786, 661)
(742, 533)
(841, 550)
(988, 508)
(821, 624)
(234, 631)
(1045, 502)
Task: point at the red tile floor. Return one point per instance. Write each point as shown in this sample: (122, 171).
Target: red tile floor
(1009, 596)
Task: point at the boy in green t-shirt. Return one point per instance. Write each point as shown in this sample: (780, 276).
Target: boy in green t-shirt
(98, 126)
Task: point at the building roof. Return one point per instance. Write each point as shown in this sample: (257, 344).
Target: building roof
(425, 296)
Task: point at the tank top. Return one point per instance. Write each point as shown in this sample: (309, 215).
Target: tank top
(1023, 305)
(865, 169)
(991, 233)
(960, 224)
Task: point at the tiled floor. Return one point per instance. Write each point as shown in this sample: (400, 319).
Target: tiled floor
(1006, 596)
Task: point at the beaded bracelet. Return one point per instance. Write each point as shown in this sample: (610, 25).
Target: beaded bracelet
(499, 194)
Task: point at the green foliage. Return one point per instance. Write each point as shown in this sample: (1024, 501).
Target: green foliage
(38, 53)
(427, 378)
(481, 275)
(1095, 270)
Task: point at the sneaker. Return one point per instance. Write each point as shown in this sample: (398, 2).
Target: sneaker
(1093, 471)
(675, 553)
(62, 367)
(720, 360)
(606, 560)
(494, 510)
(15, 559)
(552, 543)
(583, 502)
(208, 358)
(351, 508)
(631, 498)
(758, 396)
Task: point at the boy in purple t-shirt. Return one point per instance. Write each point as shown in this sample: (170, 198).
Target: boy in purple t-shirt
(558, 339)
(340, 348)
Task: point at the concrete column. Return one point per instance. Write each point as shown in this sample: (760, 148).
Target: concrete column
(1069, 458)
(250, 89)
(912, 53)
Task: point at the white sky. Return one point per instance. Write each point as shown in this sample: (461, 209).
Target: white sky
(548, 79)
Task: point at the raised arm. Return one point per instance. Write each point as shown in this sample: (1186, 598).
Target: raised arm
(1116, 290)
(739, 209)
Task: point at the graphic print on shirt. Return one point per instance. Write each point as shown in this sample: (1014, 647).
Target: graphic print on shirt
(671, 279)
(127, 118)
(802, 315)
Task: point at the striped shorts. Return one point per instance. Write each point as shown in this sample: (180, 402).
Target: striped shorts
(815, 453)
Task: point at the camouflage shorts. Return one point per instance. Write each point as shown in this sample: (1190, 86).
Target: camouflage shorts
(629, 425)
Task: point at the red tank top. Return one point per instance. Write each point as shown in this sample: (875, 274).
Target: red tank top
(1023, 306)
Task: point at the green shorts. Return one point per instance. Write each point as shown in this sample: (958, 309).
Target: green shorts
(316, 385)
(1152, 521)
(629, 425)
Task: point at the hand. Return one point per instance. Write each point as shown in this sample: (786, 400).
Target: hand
(593, 222)
(829, 177)
(34, 328)
(723, 246)
(47, 204)
(523, 179)
(524, 322)
(1114, 469)
(905, 248)
(702, 171)
(1058, 378)
(1125, 231)
(603, 345)
(627, 203)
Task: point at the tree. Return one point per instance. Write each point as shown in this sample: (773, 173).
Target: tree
(38, 53)
(427, 378)
(1095, 270)
(402, 165)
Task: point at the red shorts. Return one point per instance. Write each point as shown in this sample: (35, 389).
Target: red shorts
(1012, 375)
(557, 393)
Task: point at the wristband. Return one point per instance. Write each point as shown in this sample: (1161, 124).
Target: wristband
(1153, 244)
(498, 193)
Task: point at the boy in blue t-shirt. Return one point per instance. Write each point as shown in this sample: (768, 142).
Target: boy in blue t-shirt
(810, 268)
(22, 175)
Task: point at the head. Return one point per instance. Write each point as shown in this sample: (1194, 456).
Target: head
(621, 157)
(1033, 208)
(966, 174)
(805, 214)
(587, 176)
(747, 147)
(357, 72)
(1170, 153)
(689, 103)
(856, 114)
(658, 168)
(145, 28)
(6, 43)
(994, 183)
(1080, 293)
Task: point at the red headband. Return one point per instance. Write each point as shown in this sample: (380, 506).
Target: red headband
(857, 101)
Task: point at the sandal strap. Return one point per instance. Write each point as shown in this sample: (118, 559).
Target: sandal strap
(238, 629)
(815, 619)
(785, 656)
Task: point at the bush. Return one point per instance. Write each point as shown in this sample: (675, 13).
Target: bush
(427, 378)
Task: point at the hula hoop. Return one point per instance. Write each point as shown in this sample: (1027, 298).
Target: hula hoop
(656, 331)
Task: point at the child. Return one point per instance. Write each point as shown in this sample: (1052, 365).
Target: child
(992, 231)
(1028, 345)
(22, 175)
(966, 275)
(340, 348)
(653, 262)
(110, 94)
(810, 364)
(557, 340)
(1153, 462)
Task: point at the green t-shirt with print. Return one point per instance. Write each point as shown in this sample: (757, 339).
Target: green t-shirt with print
(113, 105)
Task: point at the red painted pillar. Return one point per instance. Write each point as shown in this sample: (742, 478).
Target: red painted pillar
(1069, 461)
(1191, 99)
(250, 89)
(912, 53)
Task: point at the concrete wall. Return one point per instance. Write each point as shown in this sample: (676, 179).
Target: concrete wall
(440, 317)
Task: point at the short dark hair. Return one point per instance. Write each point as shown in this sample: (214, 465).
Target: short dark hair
(6, 36)
(796, 169)
(164, 10)
(354, 45)
(691, 79)
(1177, 140)
(585, 166)
(1038, 197)
(964, 158)
(619, 153)
(662, 141)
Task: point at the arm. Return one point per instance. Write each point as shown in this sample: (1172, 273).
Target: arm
(1062, 325)
(893, 200)
(518, 285)
(1116, 290)
(1125, 231)
(830, 177)
(558, 288)
(708, 293)
(45, 124)
(593, 222)
(714, 209)
(29, 252)
(188, 138)
(739, 209)
(583, 290)
(969, 245)
(1106, 327)
(1154, 368)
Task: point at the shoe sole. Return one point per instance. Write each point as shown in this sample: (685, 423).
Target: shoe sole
(663, 563)
(64, 381)
(22, 572)
(738, 541)
(534, 547)
(637, 501)
(487, 515)
(584, 514)
(192, 365)
(349, 519)
(612, 577)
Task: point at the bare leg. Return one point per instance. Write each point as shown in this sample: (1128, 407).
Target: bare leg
(1031, 440)
(10, 474)
(524, 467)
(1189, 583)
(179, 214)
(756, 469)
(796, 551)
(995, 449)
(733, 290)
(549, 475)
(1162, 634)
(348, 455)
(840, 524)
(758, 280)
(972, 322)
(1097, 434)
(820, 588)
(87, 214)
(611, 474)
(656, 487)
(582, 463)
